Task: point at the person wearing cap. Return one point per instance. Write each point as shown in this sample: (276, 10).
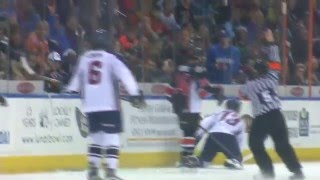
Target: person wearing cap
(55, 72)
(223, 61)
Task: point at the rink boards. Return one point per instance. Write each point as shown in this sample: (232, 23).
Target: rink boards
(40, 133)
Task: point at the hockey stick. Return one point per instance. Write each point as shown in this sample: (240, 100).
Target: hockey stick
(82, 122)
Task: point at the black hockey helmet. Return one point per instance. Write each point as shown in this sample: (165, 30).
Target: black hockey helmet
(233, 104)
(261, 67)
(100, 39)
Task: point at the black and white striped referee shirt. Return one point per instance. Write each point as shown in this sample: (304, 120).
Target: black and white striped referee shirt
(263, 93)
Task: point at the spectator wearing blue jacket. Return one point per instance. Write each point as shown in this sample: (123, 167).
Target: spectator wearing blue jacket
(223, 61)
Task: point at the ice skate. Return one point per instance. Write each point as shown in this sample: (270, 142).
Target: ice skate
(93, 173)
(111, 175)
(297, 176)
(191, 161)
(263, 177)
(233, 164)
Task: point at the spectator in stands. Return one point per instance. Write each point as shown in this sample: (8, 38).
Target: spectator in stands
(57, 33)
(241, 41)
(130, 47)
(314, 75)
(7, 10)
(69, 62)
(167, 68)
(14, 52)
(184, 14)
(13, 56)
(184, 51)
(37, 47)
(129, 40)
(148, 30)
(300, 75)
(56, 72)
(27, 16)
(4, 63)
(89, 14)
(166, 15)
(65, 9)
(223, 61)
(75, 33)
(299, 36)
(252, 18)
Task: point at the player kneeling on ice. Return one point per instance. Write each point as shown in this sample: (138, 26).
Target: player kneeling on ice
(226, 134)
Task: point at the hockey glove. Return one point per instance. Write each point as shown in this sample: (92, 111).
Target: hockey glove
(138, 101)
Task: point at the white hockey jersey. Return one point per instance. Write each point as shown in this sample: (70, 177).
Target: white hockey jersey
(226, 121)
(97, 77)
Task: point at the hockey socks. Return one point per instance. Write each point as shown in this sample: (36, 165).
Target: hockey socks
(95, 154)
(188, 144)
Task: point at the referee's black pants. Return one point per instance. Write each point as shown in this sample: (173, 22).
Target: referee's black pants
(273, 124)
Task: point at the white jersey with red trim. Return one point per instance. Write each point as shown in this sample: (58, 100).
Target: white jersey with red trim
(97, 78)
(225, 121)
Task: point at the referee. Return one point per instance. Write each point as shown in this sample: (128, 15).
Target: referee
(261, 89)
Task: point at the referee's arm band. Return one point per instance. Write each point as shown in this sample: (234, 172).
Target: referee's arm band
(273, 65)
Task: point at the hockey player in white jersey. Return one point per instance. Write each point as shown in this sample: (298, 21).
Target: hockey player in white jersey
(97, 79)
(226, 133)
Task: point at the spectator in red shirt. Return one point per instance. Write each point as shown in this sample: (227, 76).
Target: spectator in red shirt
(37, 46)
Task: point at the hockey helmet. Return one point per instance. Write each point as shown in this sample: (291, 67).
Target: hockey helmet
(233, 104)
(100, 39)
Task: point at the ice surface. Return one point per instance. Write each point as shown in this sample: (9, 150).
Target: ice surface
(213, 173)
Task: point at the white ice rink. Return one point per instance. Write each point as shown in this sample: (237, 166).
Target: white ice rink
(312, 171)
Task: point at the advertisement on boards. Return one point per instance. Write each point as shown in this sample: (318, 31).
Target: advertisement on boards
(152, 129)
(48, 123)
(6, 135)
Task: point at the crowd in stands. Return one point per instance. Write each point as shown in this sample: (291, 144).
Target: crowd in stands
(154, 36)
